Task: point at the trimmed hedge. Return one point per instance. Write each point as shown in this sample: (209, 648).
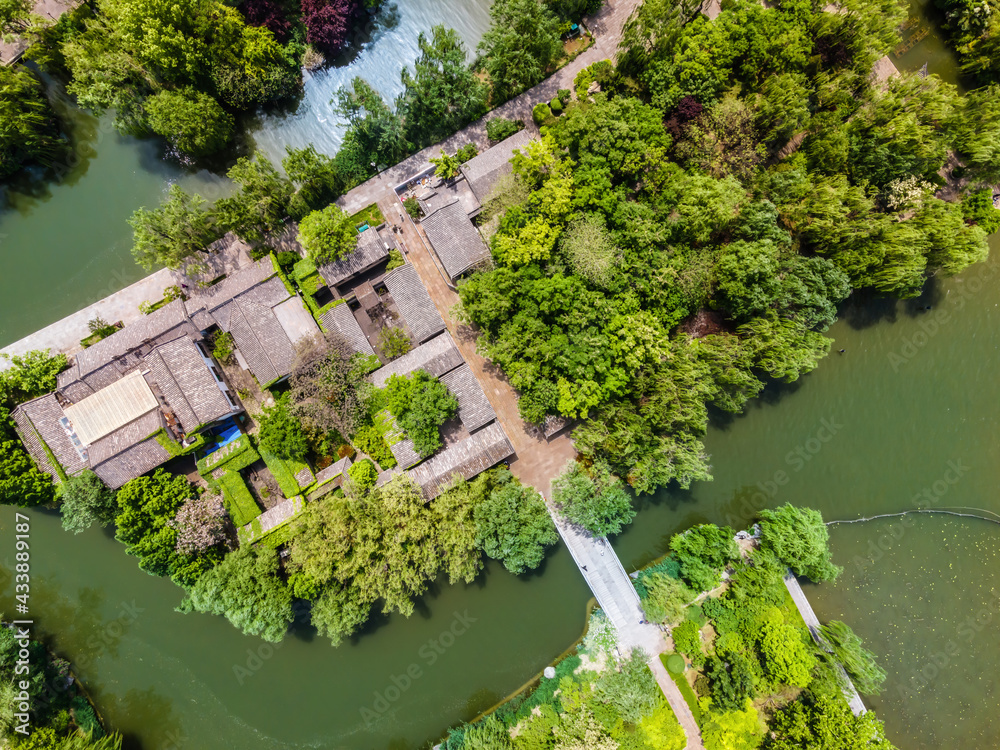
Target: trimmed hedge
(228, 457)
(174, 448)
(238, 500)
(284, 472)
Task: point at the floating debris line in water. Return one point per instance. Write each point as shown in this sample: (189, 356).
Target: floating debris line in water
(940, 511)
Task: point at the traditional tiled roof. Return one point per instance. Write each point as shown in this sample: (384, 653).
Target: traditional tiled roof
(235, 284)
(371, 250)
(473, 407)
(455, 240)
(466, 459)
(436, 357)
(340, 320)
(256, 330)
(187, 384)
(484, 170)
(131, 463)
(38, 420)
(124, 438)
(164, 324)
(333, 470)
(414, 303)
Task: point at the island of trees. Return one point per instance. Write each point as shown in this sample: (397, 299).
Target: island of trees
(743, 659)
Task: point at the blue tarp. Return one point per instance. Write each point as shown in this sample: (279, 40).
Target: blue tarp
(224, 434)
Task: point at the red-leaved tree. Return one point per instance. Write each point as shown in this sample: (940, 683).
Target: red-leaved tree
(271, 15)
(328, 23)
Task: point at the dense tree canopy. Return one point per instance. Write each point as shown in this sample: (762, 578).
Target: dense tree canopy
(420, 403)
(86, 501)
(520, 45)
(514, 526)
(30, 132)
(179, 229)
(592, 498)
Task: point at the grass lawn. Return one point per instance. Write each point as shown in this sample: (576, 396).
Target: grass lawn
(682, 684)
(370, 214)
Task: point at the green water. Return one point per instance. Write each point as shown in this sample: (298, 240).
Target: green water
(912, 402)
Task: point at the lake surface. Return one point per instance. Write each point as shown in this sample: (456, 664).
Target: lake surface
(911, 405)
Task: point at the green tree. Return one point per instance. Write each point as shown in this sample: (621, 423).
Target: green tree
(628, 685)
(733, 730)
(147, 505)
(328, 234)
(596, 500)
(85, 500)
(15, 16)
(317, 180)
(788, 658)
(747, 274)
(191, 120)
(825, 723)
(849, 652)
(30, 134)
(520, 45)
(281, 432)
(29, 375)
(420, 404)
(665, 598)
(393, 343)
(514, 526)
(443, 95)
(447, 166)
(703, 552)
(799, 538)
(363, 476)
(179, 229)
(376, 134)
(260, 206)
(247, 589)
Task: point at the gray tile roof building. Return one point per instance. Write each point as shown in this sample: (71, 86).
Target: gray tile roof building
(436, 357)
(483, 171)
(256, 330)
(465, 459)
(190, 388)
(401, 446)
(131, 463)
(340, 320)
(372, 249)
(38, 420)
(474, 408)
(414, 303)
(455, 240)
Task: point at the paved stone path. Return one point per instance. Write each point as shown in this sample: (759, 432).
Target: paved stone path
(812, 622)
(49, 10)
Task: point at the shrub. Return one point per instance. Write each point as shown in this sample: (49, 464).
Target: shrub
(601, 71)
(564, 95)
(601, 635)
(412, 206)
(541, 113)
(420, 404)
(363, 475)
(281, 433)
(100, 327)
(287, 259)
(223, 346)
(500, 128)
(467, 152)
(556, 107)
(978, 209)
(393, 343)
(395, 260)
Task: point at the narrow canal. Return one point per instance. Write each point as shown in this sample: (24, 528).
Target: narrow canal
(911, 405)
